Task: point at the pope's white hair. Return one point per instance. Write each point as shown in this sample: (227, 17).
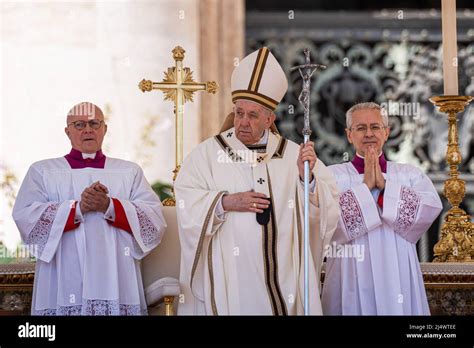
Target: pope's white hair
(366, 106)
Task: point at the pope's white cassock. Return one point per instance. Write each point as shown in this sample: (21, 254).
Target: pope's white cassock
(92, 267)
(387, 280)
(230, 264)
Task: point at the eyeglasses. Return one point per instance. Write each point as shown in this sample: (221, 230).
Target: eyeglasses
(80, 125)
(375, 128)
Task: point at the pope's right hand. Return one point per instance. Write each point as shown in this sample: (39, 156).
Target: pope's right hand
(249, 201)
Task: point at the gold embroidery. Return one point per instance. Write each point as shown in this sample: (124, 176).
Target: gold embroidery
(281, 148)
(270, 237)
(256, 97)
(201, 237)
(258, 70)
(211, 278)
(228, 150)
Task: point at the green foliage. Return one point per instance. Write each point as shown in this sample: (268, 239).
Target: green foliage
(7, 260)
(162, 190)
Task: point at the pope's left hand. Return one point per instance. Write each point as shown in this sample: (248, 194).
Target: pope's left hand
(307, 153)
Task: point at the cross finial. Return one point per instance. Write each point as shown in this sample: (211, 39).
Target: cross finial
(306, 71)
(178, 86)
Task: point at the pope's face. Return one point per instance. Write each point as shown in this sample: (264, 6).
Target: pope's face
(367, 130)
(86, 140)
(251, 120)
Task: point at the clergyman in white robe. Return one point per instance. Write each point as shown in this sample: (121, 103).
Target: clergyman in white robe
(230, 264)
(88, 264)
(382, 276)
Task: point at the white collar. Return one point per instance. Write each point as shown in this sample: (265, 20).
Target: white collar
(264, 139)
(88, 155)
(364, 157)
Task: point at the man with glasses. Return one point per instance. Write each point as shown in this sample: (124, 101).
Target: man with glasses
(89, 219)
(385, 208)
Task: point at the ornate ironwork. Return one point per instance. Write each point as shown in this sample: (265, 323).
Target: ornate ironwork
(379, 57)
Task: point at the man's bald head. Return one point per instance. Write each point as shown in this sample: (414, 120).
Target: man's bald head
(83, 111)
(85, 127)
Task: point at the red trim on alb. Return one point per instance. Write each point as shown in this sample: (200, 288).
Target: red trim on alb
(70, 225)
(121, 220)
(380, 199)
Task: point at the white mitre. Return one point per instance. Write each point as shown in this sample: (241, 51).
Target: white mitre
(259, 78)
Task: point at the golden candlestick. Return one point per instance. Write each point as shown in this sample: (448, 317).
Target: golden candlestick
(178, 86)
(456, 242)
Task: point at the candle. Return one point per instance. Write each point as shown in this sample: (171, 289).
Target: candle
(450, 54)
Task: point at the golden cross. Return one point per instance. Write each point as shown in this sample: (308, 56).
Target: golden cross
(178, 86)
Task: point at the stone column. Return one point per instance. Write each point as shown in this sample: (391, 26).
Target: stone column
(222, 33)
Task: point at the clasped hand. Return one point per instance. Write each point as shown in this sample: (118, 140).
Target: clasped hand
(94, 198)
(372, 172)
